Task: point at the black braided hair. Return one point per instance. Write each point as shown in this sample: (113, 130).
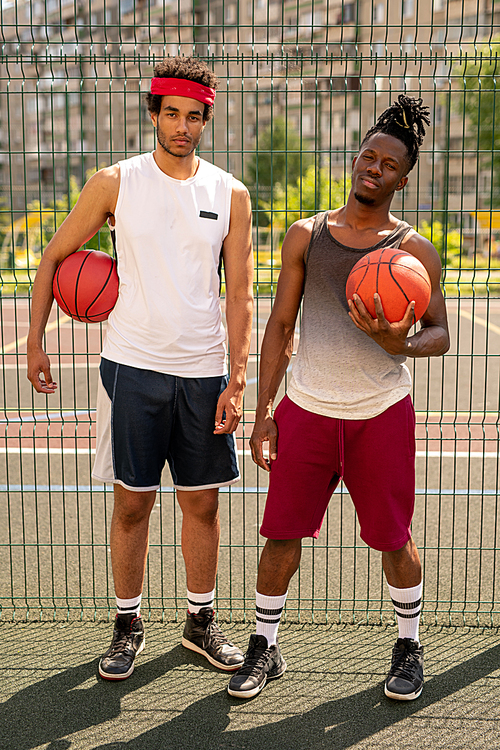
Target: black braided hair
(404, 120)
(189, 68)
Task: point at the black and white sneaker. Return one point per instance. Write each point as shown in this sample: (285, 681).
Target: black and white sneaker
(406, 675)
(262, 663)
(203, 635)
(128, 641)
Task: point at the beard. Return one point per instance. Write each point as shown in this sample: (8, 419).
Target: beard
(164, 144)
(364, 199)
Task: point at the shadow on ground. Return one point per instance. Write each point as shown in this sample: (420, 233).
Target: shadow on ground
(47, 712)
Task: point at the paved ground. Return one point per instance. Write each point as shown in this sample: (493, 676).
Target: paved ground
(330, 697)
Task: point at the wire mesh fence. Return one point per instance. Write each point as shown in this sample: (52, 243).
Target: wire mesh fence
(300, 85)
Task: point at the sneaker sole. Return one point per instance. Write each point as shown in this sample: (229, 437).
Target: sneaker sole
(256, 690)
(402, 697)
(214, 662)
(114, 677)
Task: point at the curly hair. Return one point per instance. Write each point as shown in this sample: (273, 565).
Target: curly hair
(189, 68)
(405, 120)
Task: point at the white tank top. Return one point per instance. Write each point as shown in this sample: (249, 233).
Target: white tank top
(169, 236)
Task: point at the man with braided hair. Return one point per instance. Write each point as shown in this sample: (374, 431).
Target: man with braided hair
(164, 393)
(347, 413)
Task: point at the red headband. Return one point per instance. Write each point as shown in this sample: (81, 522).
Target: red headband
(182, 87)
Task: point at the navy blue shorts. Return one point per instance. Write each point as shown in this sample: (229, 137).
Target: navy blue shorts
(145, 418)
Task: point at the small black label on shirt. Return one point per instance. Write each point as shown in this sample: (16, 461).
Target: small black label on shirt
(208, 215)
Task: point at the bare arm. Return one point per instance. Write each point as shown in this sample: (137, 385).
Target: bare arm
(277, 346)
(97, 201)
(433, 338)
(238, 269)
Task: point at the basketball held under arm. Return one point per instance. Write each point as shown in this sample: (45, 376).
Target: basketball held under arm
(97, 201)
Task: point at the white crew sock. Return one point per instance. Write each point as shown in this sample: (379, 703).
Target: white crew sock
(129, 606)
(268, 611)
(407, 605)
(198, 601)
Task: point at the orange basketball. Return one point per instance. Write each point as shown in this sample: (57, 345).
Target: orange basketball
(398, 277)
(86, 286)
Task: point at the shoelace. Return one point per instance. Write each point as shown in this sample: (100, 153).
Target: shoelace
(405, 666)
(216, 634)
(121, 642)
(254, 662)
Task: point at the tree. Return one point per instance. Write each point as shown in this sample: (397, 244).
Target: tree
(23, 241)
(278, 160)
(448, 245)
(58, 210)
(315, 191)
(481, 103)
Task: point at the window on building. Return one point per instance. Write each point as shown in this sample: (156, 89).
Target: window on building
(338, 121)
(378, 13)
(308, 124)
(230, 13)
(126, 6)
(347, 14)
(408, 8)
(460, 184)
(408, 45)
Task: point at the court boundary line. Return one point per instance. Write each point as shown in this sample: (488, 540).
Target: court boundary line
(19, 342)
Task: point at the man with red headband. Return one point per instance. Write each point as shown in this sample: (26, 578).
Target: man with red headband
(164, 393)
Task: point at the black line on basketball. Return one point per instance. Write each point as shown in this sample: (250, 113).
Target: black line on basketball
(402, 290)
(99, 315)
(397, 283)
(101, 291)
(67, 310)
(80, 318)
(365, 271)
(379, 263)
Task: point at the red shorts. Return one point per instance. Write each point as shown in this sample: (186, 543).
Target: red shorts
(374, 457)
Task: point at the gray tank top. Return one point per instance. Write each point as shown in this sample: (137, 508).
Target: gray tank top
(339, 371)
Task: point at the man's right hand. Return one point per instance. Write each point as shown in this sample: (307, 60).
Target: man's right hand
(264, 431)
(39, 372)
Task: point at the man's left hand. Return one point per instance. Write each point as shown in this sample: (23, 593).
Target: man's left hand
(390, 336)
(229, 410)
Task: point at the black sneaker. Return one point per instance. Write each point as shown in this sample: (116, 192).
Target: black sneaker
(406, 675)
(262, 663)
(128, 641)
(203, 635)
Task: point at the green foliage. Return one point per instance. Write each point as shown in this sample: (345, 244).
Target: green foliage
(278, 160)
(44, 221)
(309, 194)
(480, 101)
(23, 241)
(448, 245)
(59, 210)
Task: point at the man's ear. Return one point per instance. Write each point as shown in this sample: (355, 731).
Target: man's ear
(402, 183)
(154, 118)
(354, 160)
